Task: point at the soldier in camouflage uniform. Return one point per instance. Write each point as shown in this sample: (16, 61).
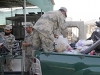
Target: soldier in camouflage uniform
(9, 40)
(28, 45)
(49, 25)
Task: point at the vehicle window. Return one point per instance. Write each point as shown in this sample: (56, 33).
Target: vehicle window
(73, 34)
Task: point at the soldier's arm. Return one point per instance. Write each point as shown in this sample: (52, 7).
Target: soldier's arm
(25, 43)
(64, 30)
(13, 40)
(62, 26)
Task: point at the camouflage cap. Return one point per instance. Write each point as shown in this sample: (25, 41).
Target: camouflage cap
(29, 25)
(64, 9)
(8, 27)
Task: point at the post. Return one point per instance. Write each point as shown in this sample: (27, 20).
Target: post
(11, 12)
(24, 12)
(41, 12)
(23, 51)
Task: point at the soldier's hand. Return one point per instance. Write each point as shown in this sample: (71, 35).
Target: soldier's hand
(25, 44)
(55, 35)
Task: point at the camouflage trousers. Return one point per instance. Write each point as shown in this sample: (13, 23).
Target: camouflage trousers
(9, 62)
(39, 41)
(28, 61)
(46, 43)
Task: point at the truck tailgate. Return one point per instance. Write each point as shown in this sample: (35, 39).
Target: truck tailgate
(69, 64)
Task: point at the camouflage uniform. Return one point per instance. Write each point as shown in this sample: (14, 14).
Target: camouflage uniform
(49, 24)
(9, 43)
(29, 51)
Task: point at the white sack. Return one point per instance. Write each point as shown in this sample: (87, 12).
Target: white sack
(84, 43)
(61, 44)
(80, 43)
(71, 52)
(88, 42)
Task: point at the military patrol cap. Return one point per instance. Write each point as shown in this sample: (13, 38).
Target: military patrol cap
(29, 25)
(64, 9)
(8, 27)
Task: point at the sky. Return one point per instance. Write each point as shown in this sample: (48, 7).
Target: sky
(84, 10)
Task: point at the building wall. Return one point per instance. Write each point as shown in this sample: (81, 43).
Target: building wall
(3, 14)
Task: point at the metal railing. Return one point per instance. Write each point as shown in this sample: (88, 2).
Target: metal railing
(2, 64)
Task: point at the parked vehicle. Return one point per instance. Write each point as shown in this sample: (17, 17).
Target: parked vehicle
(54, 63)
(65, 64)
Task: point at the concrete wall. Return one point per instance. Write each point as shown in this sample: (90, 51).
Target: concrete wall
(80, 25)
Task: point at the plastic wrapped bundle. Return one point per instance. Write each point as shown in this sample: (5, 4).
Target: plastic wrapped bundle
(61, 44)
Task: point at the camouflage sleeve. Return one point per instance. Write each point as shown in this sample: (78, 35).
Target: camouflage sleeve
(62, 26)
(31, 42)
(35, 40)
(13, 40)
(64, 30)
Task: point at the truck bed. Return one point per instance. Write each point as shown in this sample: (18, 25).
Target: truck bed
(68, 64)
